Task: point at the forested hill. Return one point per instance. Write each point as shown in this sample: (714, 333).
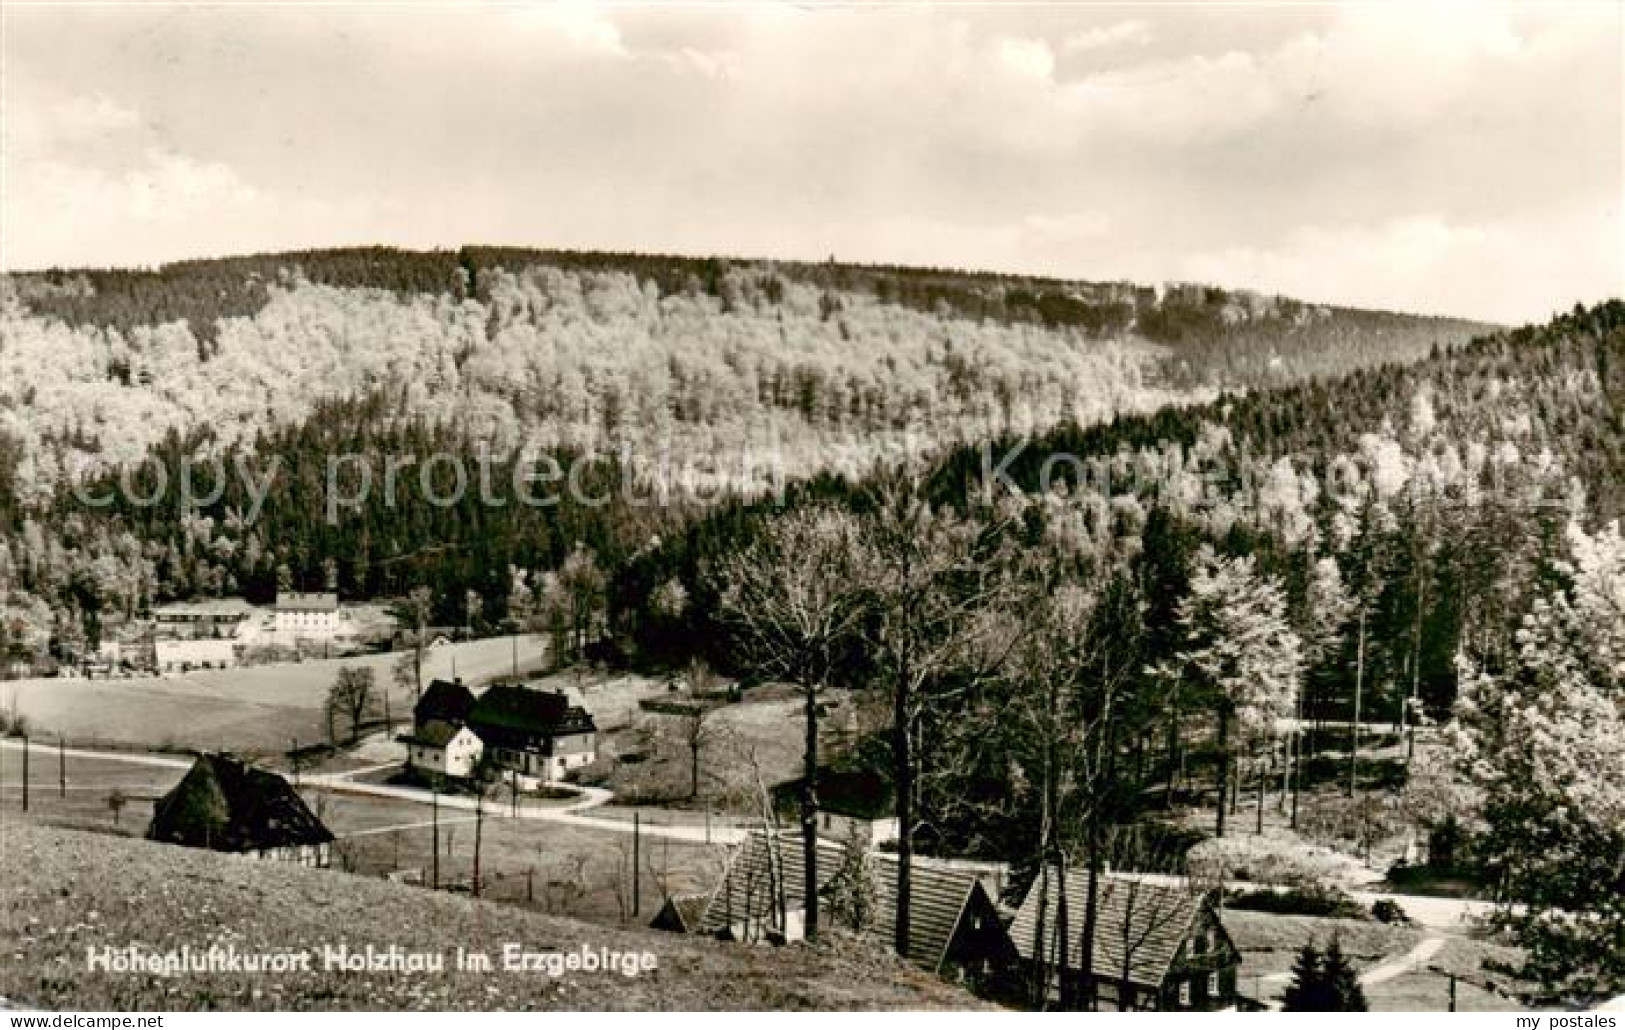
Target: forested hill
(815, 366)
(1438, 492)
(706, 373)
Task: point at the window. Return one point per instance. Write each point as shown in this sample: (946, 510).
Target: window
(1213, 985)
(1185, 994)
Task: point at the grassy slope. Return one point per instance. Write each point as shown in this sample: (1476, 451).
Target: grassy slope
(66, 891)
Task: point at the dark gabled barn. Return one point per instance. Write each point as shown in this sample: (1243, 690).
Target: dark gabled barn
(223, 804)
(1157, 945)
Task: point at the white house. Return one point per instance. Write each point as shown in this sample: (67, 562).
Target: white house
(307, 615)
(439, 747)
(183, 655)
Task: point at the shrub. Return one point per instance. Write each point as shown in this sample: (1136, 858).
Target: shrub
(1387, 910)
(1324, 902)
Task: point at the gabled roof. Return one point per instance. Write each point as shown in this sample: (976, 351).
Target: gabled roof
(226, 805)
(939, 896)
(682, 913)
(433, 733)
(295, 602)
(1146, 922)
(515, 712)
(444, 701)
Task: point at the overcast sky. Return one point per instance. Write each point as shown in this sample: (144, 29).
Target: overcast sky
(1461, 160)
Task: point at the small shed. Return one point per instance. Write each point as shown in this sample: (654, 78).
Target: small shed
(682, 913)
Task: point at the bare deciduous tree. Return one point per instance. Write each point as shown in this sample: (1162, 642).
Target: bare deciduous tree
(351, 696)
(794, 598)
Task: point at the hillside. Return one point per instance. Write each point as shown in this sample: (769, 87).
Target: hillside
(722, 366)
(680, 380)
(68, 891)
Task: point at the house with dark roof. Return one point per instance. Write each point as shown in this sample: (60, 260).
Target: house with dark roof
(536, 736)
(955, 928)
(441, 742)
(224, 804)
(850, 802)
(1157, 946)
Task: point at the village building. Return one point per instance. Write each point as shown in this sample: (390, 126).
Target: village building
(220, 619)
(195, 635)
(859, 803)
(307, 616)
(1157, 946)
(955, 927)
(443, 749)
(224, 804)
(535, 736)
(850, 803)
(186, 655)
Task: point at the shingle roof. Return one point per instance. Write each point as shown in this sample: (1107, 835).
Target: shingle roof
(857, 793)
(519, 715)
(225, 805)
(1149, 921)
(432, 734)
(682, 913)
(294, 602)
(444, 702)
(938, 895)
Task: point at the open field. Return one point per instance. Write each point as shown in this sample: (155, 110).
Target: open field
(761, 734)
(251, 710)
(560, 867)
(1269, 943)
(70, 891)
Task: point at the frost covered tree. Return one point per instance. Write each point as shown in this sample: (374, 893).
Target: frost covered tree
(1544, 741)
(1240, 648)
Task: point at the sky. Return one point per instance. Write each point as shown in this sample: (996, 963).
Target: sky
(1464, 159)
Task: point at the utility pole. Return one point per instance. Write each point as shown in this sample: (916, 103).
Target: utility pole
(25, 772)
(637, 833)
(1354, 727)
(434, 787)
(479, 823)
(1452, 992)
(61, 768)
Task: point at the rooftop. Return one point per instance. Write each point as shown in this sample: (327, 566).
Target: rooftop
(1140, 926)
(294, 602)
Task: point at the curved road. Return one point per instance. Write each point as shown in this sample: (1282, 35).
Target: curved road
(345, 783)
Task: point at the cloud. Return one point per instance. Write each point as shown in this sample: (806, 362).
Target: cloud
(1028, 57)
(1438, 158)
(1424, 262)
(1121, 34)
